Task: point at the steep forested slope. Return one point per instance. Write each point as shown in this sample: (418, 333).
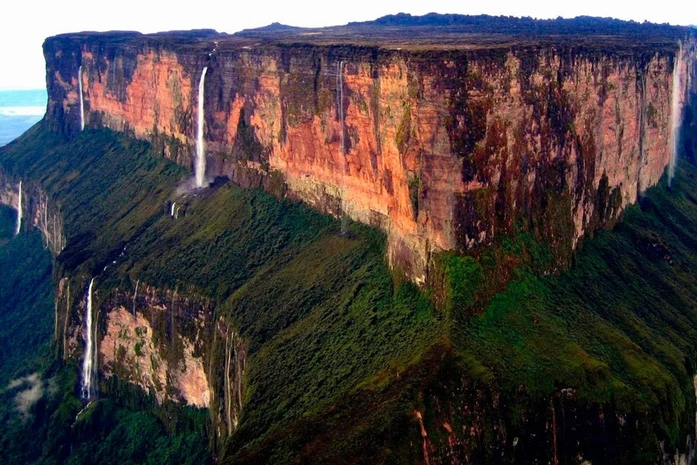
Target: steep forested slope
(347, 361)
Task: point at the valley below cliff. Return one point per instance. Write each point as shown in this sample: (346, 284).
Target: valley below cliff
(462, 249)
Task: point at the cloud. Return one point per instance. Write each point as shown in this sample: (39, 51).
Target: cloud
(33, 390)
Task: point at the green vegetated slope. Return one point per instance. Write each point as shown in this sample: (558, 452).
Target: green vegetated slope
(26, 299)
(37, 399)
(39, 408)
(620, 328)
(26, 326)
(346, 360)
(603, 353)
(320, 311)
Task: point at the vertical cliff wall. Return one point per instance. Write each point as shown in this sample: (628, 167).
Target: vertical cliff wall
(443, 149)
(163, 341)
(37, 210)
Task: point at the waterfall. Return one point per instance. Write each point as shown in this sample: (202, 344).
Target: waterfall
(135, 296)
(675, 117)
(340, 114)
(89, 362)
(19, 210)
(340, 103)
(228, 385)
(82, 102)
(65, 322)
(200, 168)
(232, 383)
(171, 209)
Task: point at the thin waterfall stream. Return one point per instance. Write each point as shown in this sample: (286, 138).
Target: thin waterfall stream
(19, 210)
(89, 362)
(200, 167)
(82, 101)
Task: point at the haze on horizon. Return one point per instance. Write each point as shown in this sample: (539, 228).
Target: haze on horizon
(24, 27)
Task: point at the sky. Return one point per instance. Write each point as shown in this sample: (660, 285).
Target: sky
(25, 24)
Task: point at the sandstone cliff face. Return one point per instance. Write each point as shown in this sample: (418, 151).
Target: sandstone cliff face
(163, 341)
(443, 149)
(37, 210)
(145, 344)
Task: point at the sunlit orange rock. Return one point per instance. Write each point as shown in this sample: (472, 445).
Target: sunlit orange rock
(446, 149)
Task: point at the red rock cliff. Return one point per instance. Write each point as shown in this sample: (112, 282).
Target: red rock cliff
(444, 147)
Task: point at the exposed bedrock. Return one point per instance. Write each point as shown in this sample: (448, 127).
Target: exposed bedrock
(442, 149)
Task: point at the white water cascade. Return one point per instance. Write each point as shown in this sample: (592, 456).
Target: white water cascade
(82, 102)
(340, 103)
(675, 116)
(171, 209)
(89, 361)
(135, 296)
(200, 168)
(19, 210)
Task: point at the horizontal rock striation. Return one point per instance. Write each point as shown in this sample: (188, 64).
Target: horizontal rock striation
(446, 146)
